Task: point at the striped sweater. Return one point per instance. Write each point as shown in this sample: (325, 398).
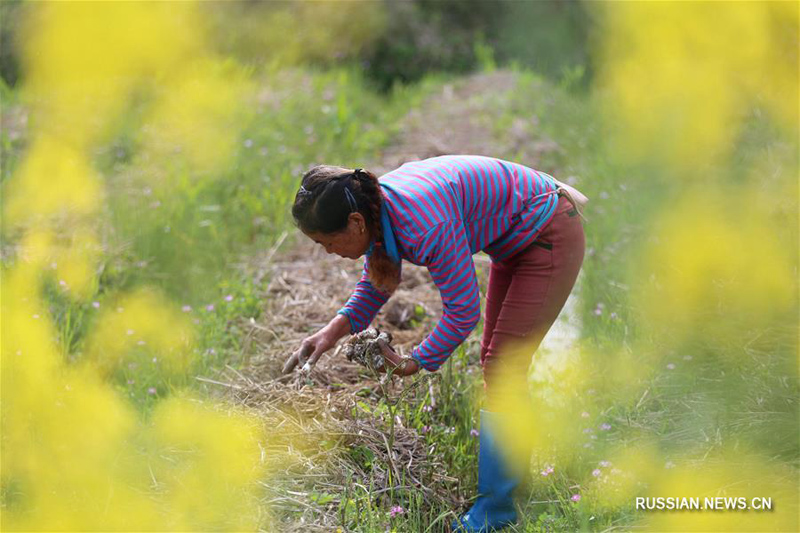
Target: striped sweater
(443, 210)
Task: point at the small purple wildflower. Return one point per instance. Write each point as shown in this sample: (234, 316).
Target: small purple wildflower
(547, 471)
(671, 366)
(605, 464)
(229, 298)
(605, 427)
(131, 382)
(427, 408)
(598, 312)
(210, 307)
(151, 390)
(425, 429)
(248, 143)
(186, 308)
(596, 472)
(396, 510)
(96, 305)
(576, 497)
(474, 432)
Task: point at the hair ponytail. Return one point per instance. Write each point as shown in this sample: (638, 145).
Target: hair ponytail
(383, 272)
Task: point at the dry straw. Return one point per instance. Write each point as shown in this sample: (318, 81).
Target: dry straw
(325, 422)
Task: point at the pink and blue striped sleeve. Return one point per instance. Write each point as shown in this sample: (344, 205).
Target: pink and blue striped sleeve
(445, 250)
(364, 303)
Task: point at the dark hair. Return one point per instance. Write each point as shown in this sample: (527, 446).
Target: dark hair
(328, 195)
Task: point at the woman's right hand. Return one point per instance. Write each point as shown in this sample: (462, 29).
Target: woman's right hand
(312, 348)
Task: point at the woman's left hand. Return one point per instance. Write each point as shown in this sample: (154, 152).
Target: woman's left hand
(400, 366)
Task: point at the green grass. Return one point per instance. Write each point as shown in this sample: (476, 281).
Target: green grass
(187, 240)
(189, 237)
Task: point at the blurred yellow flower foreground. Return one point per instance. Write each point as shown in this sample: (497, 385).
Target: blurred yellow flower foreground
(76, 455)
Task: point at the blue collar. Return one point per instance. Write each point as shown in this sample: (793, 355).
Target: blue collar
(389, 242)
(388, 235)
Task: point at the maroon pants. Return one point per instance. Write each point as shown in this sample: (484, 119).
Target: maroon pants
(527, 291)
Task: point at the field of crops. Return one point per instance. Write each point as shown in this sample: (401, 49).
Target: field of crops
(154, 284)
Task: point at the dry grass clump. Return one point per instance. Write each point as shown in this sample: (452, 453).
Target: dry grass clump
(336, 429)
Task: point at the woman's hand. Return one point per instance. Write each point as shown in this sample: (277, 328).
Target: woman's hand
(312, 348)
(399, 366)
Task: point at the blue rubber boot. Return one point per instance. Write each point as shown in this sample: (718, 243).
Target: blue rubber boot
(494, 509)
